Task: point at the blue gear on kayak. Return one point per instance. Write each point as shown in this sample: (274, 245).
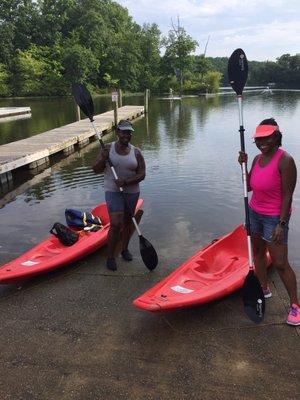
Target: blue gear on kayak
(79, 219)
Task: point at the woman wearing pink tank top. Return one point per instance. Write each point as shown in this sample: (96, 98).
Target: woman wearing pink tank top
(272, 180)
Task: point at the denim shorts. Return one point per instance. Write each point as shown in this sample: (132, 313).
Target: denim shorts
(121, 202)
(264, 225)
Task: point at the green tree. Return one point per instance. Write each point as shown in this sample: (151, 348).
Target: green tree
(202, 64)
(261, 73)
(107, 29)
(4, 81)
(38, 71)
(7, 47)
(289, 70)
(79, 64)
(179, 46)
(18, 24)
(220, 64)
(55, 23)
(211, 81)
(111, 82)
(28, 73)
(150, 42)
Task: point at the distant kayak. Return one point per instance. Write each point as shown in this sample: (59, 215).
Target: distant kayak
(51, 253)
(170, 98)
(212, 273)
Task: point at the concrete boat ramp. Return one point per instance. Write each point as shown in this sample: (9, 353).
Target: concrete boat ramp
(74, 335)
(36, 150)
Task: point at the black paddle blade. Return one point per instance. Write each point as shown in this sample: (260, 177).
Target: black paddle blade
(83, 99)
(148, 253)
(253, 298)
(238, 70)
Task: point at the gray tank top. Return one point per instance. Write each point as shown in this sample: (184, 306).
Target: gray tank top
(125, 166)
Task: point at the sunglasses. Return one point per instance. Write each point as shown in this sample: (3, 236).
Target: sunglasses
(125, 132)
(266, 139)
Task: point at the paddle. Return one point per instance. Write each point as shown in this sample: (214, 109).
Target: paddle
(84, 100)
(253, 297)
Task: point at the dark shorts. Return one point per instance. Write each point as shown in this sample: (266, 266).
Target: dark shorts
(264, 225)
(121, 202)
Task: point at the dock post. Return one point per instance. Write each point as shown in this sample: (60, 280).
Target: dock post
(78, 113)
(120, 98)
(38, 163)
(116, 113)
(5, 178)
(147, 92)
(115, 100)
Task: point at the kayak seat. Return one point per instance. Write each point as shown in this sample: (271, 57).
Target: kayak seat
(34, 257)
(227, 268)
(52, 249)
(216, 269)
(45, 252)
(101, 212)
(197, 276)
(201, 274)
(202, 265)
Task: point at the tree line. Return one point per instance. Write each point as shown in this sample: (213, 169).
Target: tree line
(284, 72)
(46, 45)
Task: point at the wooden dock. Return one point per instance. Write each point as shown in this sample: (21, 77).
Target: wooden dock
(13, 111)
(32, 177)
(36, 150)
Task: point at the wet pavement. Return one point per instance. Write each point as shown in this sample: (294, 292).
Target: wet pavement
(73, 334)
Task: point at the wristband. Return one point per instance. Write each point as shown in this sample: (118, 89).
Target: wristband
(282, 222)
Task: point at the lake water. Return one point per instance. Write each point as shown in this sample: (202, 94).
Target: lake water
(193, 190)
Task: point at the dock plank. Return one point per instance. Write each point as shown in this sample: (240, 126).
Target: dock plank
(13, 111)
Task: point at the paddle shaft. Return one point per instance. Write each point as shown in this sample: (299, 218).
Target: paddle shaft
(245, 185)
(115, 175)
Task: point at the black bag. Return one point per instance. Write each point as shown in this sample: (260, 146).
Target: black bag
(64, 234)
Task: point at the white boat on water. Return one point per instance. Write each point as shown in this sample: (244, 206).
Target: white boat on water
(170, 98)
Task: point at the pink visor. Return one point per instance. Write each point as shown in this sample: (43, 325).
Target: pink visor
(265, 130)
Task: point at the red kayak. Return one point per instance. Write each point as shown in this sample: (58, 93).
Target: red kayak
(212, 273)
(51, 254)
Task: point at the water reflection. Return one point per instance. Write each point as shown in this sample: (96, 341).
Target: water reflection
(15, 118)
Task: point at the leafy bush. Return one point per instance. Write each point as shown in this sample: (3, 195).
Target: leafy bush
(211, 81)
(79, 64)
(4, 84)
(37, 73)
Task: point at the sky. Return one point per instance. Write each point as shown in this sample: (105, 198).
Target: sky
(264, 29)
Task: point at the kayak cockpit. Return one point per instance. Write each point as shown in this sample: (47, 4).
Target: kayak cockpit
(213, 272)
(101, 212)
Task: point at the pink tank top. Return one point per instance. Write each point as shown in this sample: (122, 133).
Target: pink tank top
(266, 185)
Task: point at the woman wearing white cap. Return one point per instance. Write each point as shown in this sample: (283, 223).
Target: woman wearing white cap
(129, 165)
(272, 180)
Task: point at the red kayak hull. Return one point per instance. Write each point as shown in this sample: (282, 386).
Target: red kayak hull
(212, 273)
(51, 254)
